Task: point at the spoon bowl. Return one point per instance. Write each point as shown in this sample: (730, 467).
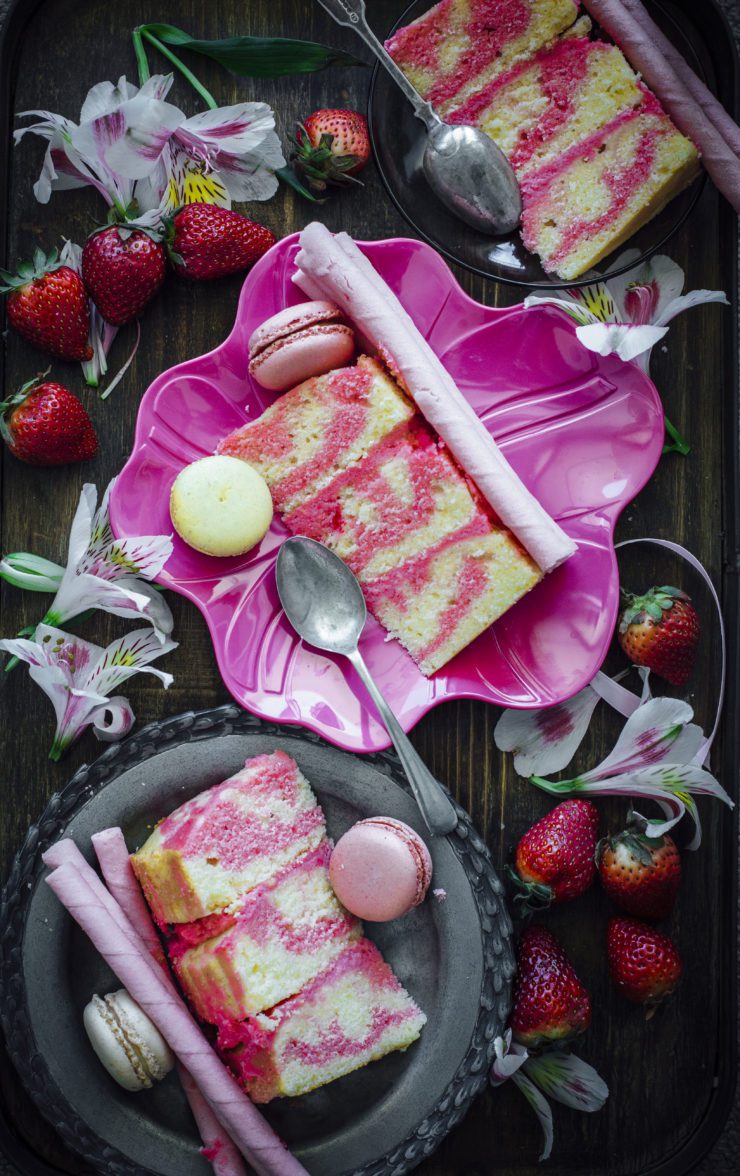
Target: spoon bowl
(472, 177)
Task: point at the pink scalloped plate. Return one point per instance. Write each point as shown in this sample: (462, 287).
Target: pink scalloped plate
(584, 432)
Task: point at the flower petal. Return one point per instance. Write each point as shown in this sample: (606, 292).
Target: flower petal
(112, 719)
(545, 741)
(127, 656)
(24, 570)
(234, 129)
(658, 730)
(686, 301)
(145, 126)
(568, 1079)
(251, 176)
(509, 1058)
(569, 304)
(541, 1108)
(624, 339)
(105, 98)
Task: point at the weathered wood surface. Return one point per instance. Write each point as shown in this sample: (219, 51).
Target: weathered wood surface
(661, 1074)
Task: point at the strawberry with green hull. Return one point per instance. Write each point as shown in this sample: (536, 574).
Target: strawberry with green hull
(204, 241)
(660, 630)
(644, 965)
(45, 424)
(555, 858)
(331, 147)
(550, 1005)
(640, 874)
(123, 268)
(47, 305)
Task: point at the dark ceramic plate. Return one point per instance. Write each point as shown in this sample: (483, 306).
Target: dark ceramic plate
(398, 156)
(454, 957)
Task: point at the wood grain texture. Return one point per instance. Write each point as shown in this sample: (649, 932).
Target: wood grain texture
(662, 1074)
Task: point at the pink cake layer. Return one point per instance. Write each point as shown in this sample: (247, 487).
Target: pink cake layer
(404, 497)
(585, 203)
(218, 846)
(319, 427)
(461, 45)
(542, 106)
(282, 934)
(355, 1012)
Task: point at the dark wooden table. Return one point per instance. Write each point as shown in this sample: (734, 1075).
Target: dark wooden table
(670, 1078)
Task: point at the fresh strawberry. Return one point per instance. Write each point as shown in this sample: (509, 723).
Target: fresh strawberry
(331, 147)
(45, 424)
(555, 858)
(204, 241)
(47, 305)
(123, 269)
(550, 1004)
(644, 965)
(660, 630)
(640, 874)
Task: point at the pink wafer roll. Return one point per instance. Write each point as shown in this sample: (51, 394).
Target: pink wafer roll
(99, 916)
(113, 856)
(333, 267)
(639, 44)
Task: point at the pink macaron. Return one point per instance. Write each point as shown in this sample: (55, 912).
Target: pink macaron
(300, 341)
(380, 869)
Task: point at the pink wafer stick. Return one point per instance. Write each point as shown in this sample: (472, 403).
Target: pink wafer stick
(113, 856)
(639, 46)
(713, 109)
(94, 909)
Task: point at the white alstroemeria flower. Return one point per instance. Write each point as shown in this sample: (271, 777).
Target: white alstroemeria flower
(78, 677)
(545, 740)
(230, 153)
(510, 1057)
(557, 1073)
(78, 153)
(102, 572)
(657, 757)
(628, 313)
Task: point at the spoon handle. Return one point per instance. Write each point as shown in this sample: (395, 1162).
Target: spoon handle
(351, 13)
(435, 807)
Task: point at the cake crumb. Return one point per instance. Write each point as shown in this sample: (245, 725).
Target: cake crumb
(440, 894)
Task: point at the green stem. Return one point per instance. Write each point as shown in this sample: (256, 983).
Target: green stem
(679, 445)
(141, 61)
(208, 98)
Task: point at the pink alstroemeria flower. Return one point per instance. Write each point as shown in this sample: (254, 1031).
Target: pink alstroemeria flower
(628, 314)
(78, 677)
(101, 573)
(657, 757)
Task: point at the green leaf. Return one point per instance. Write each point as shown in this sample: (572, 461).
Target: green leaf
(257, 57)
(291, 179)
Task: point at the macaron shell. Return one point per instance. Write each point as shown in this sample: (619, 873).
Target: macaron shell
(293, 318)
(127, 1043)
(380, 869)
(310, 352)
(220, 505)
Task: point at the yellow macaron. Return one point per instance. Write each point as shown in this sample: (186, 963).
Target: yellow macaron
(220, 506)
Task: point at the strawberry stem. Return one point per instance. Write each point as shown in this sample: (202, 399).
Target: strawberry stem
(189, 76)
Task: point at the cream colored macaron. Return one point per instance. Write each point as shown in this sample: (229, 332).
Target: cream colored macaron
(220, 505)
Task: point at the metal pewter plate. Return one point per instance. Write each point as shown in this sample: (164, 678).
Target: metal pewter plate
(454, 956)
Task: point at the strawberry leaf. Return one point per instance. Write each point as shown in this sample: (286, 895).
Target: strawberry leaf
(257, 57)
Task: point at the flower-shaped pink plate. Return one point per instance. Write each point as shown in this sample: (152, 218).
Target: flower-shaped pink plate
(584, 432)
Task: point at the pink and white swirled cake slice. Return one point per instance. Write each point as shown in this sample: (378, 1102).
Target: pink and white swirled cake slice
(355, 1012)
(203, 857)
(284, 932)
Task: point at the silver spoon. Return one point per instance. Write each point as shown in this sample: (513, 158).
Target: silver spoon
(468, 171)
(324, 603)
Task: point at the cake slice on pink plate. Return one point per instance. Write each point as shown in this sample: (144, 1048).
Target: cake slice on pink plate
(355, 1012)
(285, 932)
(203, 857)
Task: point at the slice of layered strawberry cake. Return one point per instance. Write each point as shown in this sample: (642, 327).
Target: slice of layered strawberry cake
(261, 946)
(203, 857)
(353, 1013)
(436, 566)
